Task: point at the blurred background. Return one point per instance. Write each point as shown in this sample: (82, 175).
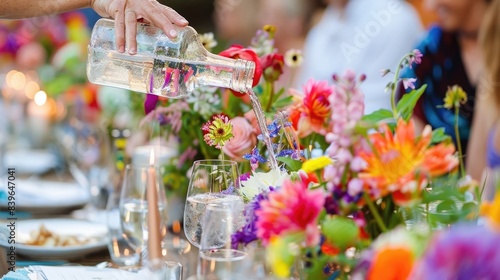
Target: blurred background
(54, 123)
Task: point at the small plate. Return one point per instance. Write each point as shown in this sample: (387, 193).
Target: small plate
(84, 229)
(30, 161)
(47, 197)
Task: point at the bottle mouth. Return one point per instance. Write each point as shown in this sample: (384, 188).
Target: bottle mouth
(243, 76)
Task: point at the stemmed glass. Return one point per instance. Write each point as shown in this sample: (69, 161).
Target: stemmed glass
(212, 182)
(134, 207)
(217, 258)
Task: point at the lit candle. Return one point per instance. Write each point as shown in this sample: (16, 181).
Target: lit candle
(154, 237)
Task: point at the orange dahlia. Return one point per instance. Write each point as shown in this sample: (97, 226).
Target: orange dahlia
(401, 163)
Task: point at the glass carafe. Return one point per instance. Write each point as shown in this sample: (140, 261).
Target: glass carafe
(166, 67)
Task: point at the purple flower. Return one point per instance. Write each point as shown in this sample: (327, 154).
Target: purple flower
(408, 83)
(416, 57)
(248, 233)
(274, 129)
(340, 201)
(150, 103)
(464, 252)
(255, 158)
(292, 153)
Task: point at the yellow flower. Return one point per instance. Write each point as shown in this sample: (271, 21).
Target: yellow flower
(314, 164)
(217, 131)
(270, 29)
(281, 253)
(454, 97)
(293, 58)
(491, 211)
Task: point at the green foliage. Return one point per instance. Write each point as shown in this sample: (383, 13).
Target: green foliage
(407, 103)
(377, 116)
(292, 164)
(439, 136)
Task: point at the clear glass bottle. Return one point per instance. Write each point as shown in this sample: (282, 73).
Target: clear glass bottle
(162, 66)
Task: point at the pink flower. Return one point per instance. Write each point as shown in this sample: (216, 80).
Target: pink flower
(311, 111)
(250, 116)
(291, 209)
(408, 83)
(416, 57)
(243, 141)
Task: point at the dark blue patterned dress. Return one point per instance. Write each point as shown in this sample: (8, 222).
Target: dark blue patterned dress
(442, 67)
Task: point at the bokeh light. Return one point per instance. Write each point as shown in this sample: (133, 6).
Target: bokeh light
(31, 89)
(40, 98)
(18, 81)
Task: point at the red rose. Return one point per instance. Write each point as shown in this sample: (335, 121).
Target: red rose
(239, 52)
(272, 65)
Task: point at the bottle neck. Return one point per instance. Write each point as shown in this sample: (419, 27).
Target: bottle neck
(235, 74)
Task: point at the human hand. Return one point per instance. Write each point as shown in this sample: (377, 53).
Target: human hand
(126, 13)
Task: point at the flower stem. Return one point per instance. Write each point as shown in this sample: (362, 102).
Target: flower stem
(394, 86)
(270, 93)
(375, 213)
(459, 144)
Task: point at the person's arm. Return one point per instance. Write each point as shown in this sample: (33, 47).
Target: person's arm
(125, 12)
(484, 117)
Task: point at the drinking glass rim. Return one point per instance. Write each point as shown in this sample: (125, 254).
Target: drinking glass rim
(141, 166)
(218, 162)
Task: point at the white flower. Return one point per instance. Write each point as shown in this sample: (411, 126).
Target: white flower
(208, 41)
(205, 101)
(293, 58)
(261, 181)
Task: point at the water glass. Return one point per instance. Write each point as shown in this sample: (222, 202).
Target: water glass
(217, 258)
(122, 254)
(134, 206)
(211, 182)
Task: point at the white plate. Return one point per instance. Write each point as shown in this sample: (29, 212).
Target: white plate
(80, 228)
(30, 161)
(47, 197)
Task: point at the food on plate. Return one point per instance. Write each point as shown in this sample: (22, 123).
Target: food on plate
(43, 237)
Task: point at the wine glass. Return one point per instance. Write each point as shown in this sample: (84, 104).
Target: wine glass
(212, 182)
(120, 251)
(134, 206)
(217, 258)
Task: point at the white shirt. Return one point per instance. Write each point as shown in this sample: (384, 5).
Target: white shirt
(370, 35)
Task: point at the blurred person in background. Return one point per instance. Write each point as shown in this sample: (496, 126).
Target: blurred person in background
(365, 36)
(235, 21)
(427, 15)
(451, 56)
(290, 17)
(484, 144)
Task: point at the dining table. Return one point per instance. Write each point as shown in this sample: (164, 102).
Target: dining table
(98, 261)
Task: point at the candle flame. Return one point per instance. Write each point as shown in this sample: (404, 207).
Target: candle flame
(152, 157)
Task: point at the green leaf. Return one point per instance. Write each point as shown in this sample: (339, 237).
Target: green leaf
(406, 105)
(292, 164)
(439, 136)
(278, 94)
(377, 116)
(283, 102)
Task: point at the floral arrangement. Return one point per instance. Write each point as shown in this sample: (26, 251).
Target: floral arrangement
(355, 194)
(48, 54)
